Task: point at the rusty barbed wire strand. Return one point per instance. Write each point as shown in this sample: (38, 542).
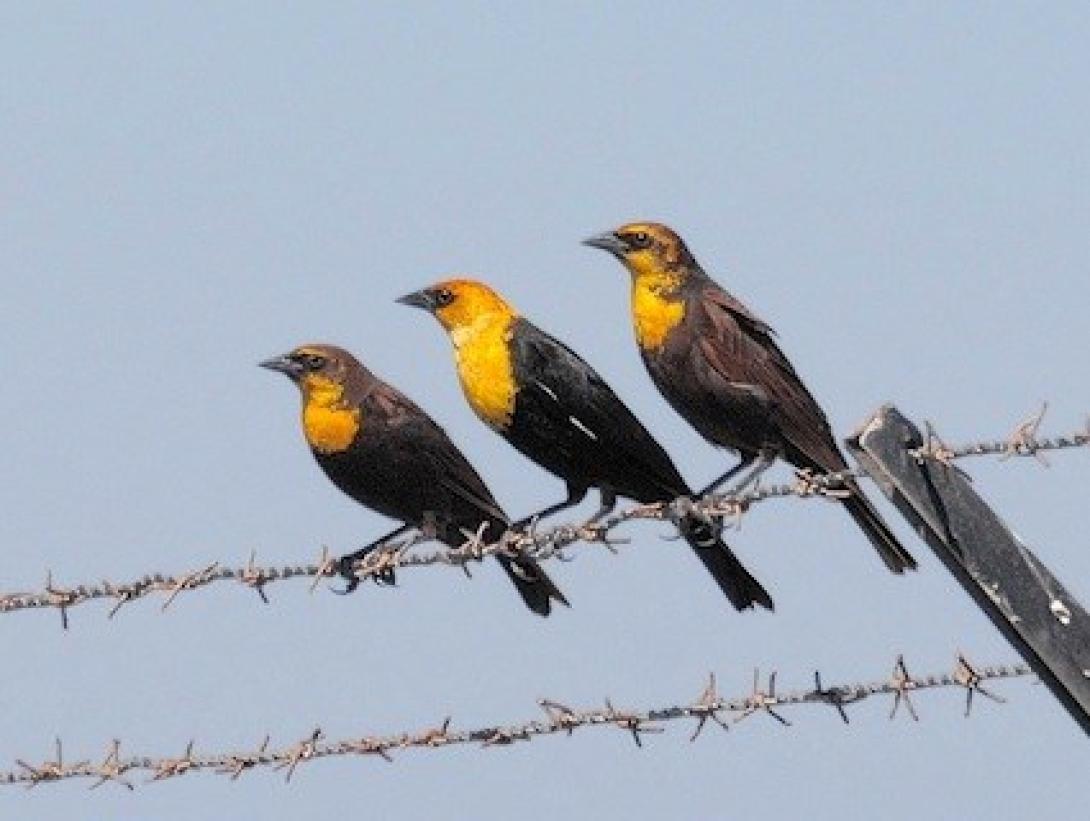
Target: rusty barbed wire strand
(540, 544)
(560, 719)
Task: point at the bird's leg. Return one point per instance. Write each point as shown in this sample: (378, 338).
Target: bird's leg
(575, 496)
(744, 462)
(764, 461)
(609, 501)
(347, 562)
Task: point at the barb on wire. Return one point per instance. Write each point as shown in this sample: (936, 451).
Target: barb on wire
(534, 542)
(1022, 441)
(560, 720)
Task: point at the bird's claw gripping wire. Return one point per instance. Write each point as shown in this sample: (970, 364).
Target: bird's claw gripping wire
(693, 521)
(346, 569)
(383, 573)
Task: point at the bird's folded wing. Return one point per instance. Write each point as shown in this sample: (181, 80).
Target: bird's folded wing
(741, 349)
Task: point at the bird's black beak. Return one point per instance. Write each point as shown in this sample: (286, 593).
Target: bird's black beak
(608, 241)
(285, 365)
(419, 299)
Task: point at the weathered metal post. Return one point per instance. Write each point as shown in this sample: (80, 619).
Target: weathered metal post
(1023, 599)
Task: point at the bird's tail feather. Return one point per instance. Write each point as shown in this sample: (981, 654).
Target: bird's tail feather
(896, 558)
(533, 584)
(737, 584)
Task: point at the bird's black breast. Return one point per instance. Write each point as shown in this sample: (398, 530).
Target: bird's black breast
(546, 425)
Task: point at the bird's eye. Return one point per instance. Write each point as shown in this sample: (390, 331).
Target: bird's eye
(444, 296)
(314, 361)
(640, 239)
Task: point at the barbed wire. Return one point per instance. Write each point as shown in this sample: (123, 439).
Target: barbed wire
(539, 544)
(559, 719)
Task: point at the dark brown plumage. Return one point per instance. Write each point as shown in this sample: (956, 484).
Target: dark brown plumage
(720, 367)
(380, 448)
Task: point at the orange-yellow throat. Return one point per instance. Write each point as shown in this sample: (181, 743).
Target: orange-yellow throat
(655, 309)
(482, 354)
(329, 424)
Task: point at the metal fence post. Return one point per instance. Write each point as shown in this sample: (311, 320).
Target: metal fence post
(1023, 599)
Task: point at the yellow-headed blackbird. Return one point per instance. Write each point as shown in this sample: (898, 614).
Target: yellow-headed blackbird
(554, 408)
(719, 366)
(377, 446)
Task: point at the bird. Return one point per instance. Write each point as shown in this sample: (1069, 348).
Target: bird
(554, 408)
(719, 366)
(381, 449)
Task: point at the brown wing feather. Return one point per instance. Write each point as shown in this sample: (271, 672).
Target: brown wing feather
(741, 349)
(450, 486)
(453, 471)
(740, 352)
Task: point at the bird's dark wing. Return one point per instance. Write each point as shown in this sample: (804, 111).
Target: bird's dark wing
(736, 352)
(578, 418)
(452, 483)
(431, 475)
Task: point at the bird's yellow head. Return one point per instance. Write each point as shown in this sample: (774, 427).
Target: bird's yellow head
(649, 250)
(327, 376)
(660, 264)
(464, 307)
(480, 324)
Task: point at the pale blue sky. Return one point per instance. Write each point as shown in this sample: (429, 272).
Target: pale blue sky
(900, 190)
